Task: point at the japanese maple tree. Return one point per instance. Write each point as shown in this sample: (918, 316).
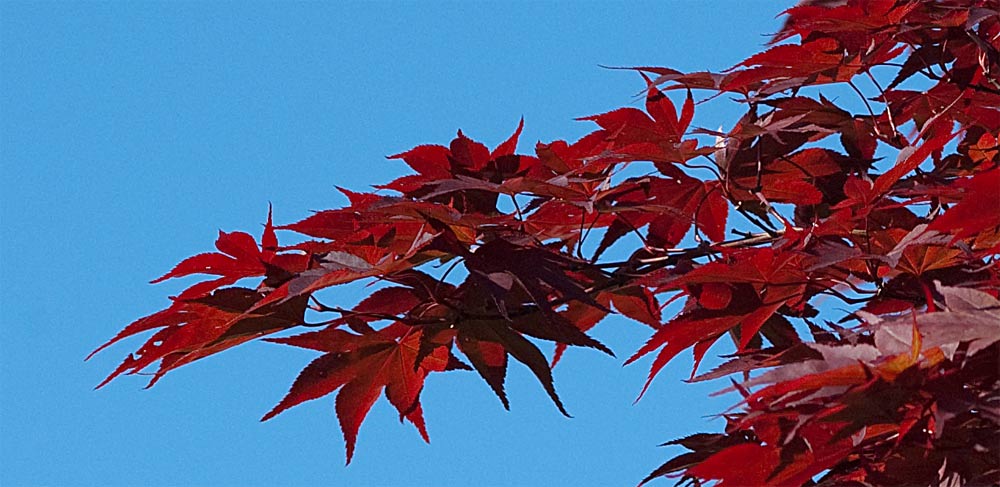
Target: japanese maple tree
(891, 207)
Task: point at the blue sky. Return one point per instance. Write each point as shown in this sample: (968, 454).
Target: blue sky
(131, 133)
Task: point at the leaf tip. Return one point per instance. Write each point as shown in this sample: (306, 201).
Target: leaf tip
(276, 410)
(270, 414)
(645, 388)
(350, 450)
(105, 381)
(633, 358)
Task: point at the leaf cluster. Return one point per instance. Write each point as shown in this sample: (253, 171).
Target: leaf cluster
(893, 210)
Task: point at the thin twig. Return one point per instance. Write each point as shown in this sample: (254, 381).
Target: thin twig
(869, 107)
(888, 113)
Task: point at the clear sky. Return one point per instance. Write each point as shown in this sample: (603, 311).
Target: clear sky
(131, 133)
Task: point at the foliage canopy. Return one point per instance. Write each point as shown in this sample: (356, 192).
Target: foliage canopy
(895, 211)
